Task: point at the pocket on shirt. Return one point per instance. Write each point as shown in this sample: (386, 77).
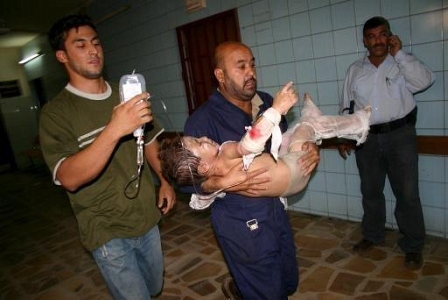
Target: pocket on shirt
(394, 85)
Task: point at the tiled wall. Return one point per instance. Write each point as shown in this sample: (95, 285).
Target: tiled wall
(312, 43)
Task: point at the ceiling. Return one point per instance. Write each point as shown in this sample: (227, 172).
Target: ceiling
(22, 20)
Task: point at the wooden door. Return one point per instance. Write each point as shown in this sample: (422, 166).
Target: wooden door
(7, 160)
(197, 42)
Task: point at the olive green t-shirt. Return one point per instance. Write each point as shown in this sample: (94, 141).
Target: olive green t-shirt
(70, 123)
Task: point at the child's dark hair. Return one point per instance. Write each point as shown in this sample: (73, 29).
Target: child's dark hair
(179, 165)
(58, 32)
(375, 22)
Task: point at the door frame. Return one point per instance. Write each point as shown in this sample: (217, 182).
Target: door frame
(197, 41)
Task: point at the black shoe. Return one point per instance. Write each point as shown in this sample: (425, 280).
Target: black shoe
(413, 261)
(230, 290)
(363, 246)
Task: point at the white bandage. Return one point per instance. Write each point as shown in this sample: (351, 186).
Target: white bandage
(199, 202)
(261, 130)
(247, 160)
(354, 126)
(273, 116)
(276, 141)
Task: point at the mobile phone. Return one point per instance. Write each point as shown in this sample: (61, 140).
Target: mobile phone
(389, 45)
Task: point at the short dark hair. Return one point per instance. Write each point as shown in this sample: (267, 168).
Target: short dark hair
(179, 165)
(374, 23)
(58, 32)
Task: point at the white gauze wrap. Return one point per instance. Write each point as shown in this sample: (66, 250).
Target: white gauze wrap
(263, 128)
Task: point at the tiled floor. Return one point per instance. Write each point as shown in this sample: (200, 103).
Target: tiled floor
(41, 257)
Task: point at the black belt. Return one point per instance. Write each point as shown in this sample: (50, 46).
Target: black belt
(410, 118)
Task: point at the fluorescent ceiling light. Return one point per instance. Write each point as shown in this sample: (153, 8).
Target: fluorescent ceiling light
(29, 58)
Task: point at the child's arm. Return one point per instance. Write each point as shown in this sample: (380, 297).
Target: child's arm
(254, 140)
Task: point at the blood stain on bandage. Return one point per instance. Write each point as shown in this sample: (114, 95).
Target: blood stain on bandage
(254, 133)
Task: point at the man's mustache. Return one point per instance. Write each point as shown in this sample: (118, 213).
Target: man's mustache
(253, 79)
(377, 46)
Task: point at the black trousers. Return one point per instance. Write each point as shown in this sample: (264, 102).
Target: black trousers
(393, 154)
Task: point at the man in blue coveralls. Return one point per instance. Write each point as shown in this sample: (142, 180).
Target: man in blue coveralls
(254, 233)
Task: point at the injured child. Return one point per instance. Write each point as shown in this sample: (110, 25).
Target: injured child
(189, 161)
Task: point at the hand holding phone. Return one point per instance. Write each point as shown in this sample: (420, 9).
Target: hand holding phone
(394, 44)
